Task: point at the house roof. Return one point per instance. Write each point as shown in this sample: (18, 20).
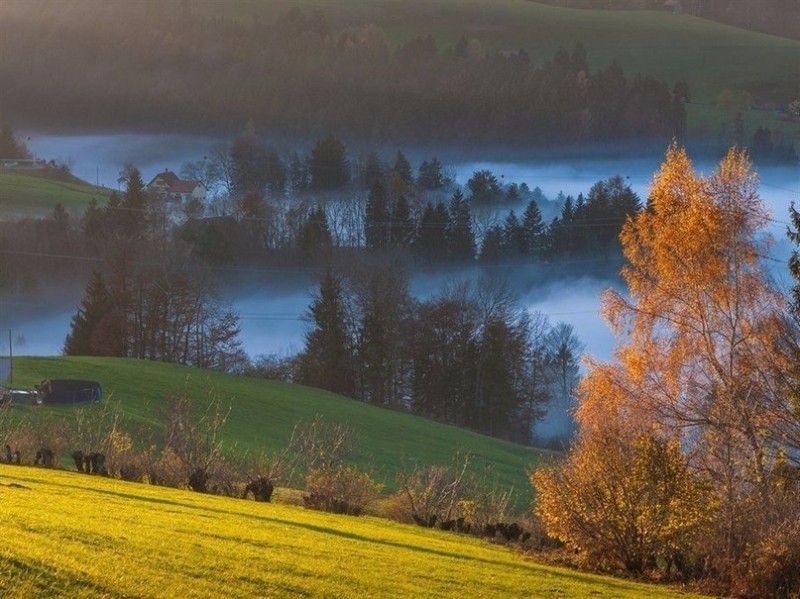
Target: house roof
(166, 176)
(174, 184)
(181, 186)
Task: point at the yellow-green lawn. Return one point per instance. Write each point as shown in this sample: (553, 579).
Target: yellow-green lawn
(70, 535)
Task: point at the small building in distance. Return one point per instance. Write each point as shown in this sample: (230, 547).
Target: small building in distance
(167, 186)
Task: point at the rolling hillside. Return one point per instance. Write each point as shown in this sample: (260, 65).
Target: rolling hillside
(70, 535)
(710, 56)
(263, 414)
(30, 193)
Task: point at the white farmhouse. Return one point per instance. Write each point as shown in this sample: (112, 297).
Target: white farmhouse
(167, 186)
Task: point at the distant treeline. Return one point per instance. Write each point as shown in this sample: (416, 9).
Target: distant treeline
(294, 210)
(778, 17)
(69, 66)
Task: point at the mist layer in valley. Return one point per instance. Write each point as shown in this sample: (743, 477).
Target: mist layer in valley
(273, 309)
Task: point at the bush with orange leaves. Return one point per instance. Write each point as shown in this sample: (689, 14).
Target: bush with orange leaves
(625, 501)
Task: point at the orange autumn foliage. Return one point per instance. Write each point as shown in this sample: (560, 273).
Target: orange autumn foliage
(696, 406)
(696, 356)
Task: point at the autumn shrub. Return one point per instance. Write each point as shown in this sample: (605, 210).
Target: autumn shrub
(628, 502)
(315, 445)
(166, 468)
(770, 567)
(754, 550)
(263, 471)
(91, 427)
(193, 447)
(23, 438)
(224, 476)
(49, 431)
(432, 493)
(484, 501)
(339, 489)
(122, 459)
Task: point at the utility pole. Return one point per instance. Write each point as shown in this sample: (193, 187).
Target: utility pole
(10, 359)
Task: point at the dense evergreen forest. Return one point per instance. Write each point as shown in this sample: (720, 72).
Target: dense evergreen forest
(176, 69)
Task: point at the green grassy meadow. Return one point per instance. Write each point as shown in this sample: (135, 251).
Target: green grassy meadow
(27, 193)
(71, 535)
(264, 413)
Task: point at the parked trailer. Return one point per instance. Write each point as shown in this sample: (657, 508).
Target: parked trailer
(70, 391)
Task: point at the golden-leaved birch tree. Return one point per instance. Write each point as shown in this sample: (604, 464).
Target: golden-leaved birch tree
(696, 358)
(700, 364)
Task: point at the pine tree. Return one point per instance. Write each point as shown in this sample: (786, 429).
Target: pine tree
(134, 204)
(383, 305)
(430, 175)
(460, 238)
(513, 237)
(315, 235)
(373, 171)
(535, 230)
(10, 146)
(402, 169)
(431, 241)
(376, 222)
(402, 232)
(85, 324)
(328, 165)
(298, 174)
(327, 359)
(492, 245)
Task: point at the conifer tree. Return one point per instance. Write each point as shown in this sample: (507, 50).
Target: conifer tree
(10, 146)
(460, 238)
(133, 204)
(402, 228)
(315, 235)
(373, 171)
(327, 359)
(328, 166)
(431, 241)
(82, 339)
(402, 169)
(534, 229)
(492, 245)
(376, 222)
(430, 175)
(513, 237)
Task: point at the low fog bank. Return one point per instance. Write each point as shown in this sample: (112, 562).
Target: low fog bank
(99, 158)
(39, 324)
(272, 312)
(273, 317)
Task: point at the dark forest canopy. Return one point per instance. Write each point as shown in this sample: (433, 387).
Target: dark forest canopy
(179, 70)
